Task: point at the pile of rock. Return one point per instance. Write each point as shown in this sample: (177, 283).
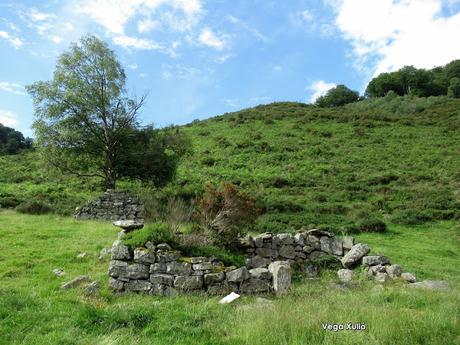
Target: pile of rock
(112, 205)
(160, 270)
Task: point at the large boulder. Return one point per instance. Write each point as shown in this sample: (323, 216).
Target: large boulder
(374, 260)
(394, 271)
(355, 254)
(239, 275)
(430, 285)
(281, 272)
(345, 275)
(120, 251)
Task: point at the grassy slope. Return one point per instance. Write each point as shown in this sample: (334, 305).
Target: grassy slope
(395, 160)
(33, 310)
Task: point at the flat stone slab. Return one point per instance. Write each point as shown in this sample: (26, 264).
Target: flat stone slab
(128, 225)
(430, 285)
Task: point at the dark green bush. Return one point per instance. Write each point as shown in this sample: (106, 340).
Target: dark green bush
(158, 232)
(34, 207)
(371, 224)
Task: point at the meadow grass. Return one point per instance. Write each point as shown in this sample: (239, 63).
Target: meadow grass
(34, 310)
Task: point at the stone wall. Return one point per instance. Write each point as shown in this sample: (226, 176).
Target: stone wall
(160, 270)
(111, 206)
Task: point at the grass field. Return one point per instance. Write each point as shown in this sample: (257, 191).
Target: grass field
(34, 310)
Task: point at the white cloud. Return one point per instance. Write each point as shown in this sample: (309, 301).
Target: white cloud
(277, 68)
(398, 33)
(313, 23)
(133, 66)
(209, 38)
(256, 33)
(136, 43)
(46, 24)
(12, 88)
(223, 58)
(16, 42)
(319, 88)
(8, 118)
(147, 25)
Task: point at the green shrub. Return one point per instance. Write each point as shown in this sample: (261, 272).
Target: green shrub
(371, 224)
(158, 232)
(337, 96)
(34, 207)
(411, 217)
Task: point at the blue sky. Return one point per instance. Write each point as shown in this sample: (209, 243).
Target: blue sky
(200, 58)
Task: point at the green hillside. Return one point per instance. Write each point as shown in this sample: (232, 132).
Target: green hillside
(392, 159)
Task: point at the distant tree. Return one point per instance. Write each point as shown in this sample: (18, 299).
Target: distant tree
(12, 141)
(454, 88)
(337, 96)
(85, 122)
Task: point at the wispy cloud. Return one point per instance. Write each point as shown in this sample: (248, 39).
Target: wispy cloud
(16, 42)
(256, 33)
(209, 38)
(8, 118)
(313, 23)
(45, 24)
(398, 33)
(319, 88)
(12, 88)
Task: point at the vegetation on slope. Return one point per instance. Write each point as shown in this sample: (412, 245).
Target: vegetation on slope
(391, 159)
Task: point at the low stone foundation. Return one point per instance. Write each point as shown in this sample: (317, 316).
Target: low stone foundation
(111, 206)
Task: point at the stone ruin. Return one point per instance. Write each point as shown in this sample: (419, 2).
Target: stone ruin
(158, 269)
(113, 205)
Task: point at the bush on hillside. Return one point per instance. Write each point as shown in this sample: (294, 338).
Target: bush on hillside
(454, 88)
(12, 141)
(337, 96)
(225, 211)
(34, 207)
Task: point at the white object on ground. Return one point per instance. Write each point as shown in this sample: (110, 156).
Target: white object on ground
(229, 298)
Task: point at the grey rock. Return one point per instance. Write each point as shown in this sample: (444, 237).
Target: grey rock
(179, 268)
(213, 278)
(115, 284)
(394, 271)
(260, 239)
(260, 273)
(120, 251)
(408, 277)
(144, 256)
(188, 283)
(163, 290)
(319, 233)
(381, 277)
(204, 266)
(221, 289)
(246, 242)
(164, 246)
(257, 261)
(313, 241)
(300, 255)
(104, 253)
(58, 272)
(159, 267)
(162, 279)
(374, 260)
(281, 272)
(316, 254)
(238, 275)
(121, 234)
(430, 285)
(92, 288)
(168, 256)
(78, 281)
(299, 239)
(198, 259)
(287, 251)
(137, 271)
(254, 285)
(138, 285)
(355, 254)
(81, 256)
(267, 252)
(308, 249)
(373, 270)
(347, 242)
(331, 245)
(128, 225)
(285, 239)
(150, 245)
(345, 275)
(118, 268)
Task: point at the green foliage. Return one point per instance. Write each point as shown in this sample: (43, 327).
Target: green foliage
(454, 88)
(12, 141)
(229, 258)
(337, 96)
(412, 81)
(33, 207)
(83, 114)
(156, 233)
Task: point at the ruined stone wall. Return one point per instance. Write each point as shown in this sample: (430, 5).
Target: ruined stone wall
(158, 269)
(111, 206)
